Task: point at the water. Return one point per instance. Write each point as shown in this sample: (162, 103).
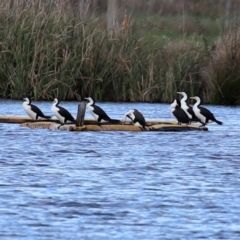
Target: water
(120, 185)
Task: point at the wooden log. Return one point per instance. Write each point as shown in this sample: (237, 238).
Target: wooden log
(176, 128)
(71, 127)
(14, 119)
(46, 125)
(81, 114)
(21, 119)
(106, 128)
(87, 121)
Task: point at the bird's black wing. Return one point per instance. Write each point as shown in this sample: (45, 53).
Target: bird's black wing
(64, 112)
(97, 110)
(180, 115)
(139, 118)
(209, 115)
(38, 111)
(206, 112)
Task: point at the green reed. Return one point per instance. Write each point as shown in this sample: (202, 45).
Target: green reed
(48, 51)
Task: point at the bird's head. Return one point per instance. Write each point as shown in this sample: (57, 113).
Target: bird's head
(90, 100)
(174, 104)
(27, 100)
(182, 93)
(195, 98)
(56, 101)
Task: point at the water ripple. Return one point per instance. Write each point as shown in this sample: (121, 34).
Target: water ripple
(120, 185)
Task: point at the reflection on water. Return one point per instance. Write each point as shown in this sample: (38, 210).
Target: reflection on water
(120, 185)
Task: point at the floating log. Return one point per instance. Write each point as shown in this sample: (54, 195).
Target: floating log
(176, 128)
(21, 119)
(71, 127)
(105, 127)
(92, 125)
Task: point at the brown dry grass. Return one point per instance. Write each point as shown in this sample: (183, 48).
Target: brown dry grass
(222, 75)
(48, 50)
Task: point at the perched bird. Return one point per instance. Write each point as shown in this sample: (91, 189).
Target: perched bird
(33, 111)
(136, 118)
(204, 115)
(98, 113)
(187, 108)
(62, 114)
(179, 113)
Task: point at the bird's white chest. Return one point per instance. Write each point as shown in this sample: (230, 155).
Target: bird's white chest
(185, 109)
(198, 114)
(91, 109)
(29, 111)
(172, 108)
(55, 111)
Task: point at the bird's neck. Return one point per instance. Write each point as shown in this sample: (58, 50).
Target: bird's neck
(173, 105)
(91, 102)
(198, 102)
(184, 98)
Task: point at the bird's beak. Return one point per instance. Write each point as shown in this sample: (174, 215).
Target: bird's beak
(179, 93)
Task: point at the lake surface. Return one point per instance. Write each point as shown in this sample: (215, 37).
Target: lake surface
(120, 185)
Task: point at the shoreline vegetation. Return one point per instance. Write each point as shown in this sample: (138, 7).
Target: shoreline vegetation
(48, 49)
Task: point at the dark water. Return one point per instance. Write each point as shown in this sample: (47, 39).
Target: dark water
(120, 185)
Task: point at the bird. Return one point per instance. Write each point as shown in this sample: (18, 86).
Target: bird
(98, 113)
(202, 113)
(179, 113)
(62, 114)
(33, 111)
(136, 117)
(187, 108)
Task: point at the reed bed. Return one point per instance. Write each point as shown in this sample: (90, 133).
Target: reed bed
(49, 50)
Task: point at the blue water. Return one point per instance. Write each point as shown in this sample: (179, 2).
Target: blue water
(120, 185)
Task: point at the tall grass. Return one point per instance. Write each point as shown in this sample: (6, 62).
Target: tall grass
(48, 50)
(223, 72)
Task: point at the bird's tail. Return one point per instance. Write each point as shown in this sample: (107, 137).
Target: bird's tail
(218, 122)
(114, 121)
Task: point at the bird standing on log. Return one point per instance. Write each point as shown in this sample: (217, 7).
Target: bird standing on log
(33, 111)
(204, 115)
(136, 117)
(179, 113)
(187, 108)
(98, 113)
(62, 114)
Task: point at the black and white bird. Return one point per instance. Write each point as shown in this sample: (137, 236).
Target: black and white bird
(62, 114)
(204, 115)
(33, 111)
(98, 113)
(187, 108)
(136, 117)
(179, 113)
